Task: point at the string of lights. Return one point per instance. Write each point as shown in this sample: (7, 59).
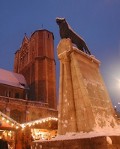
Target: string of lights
(5, 119)
(43, 120)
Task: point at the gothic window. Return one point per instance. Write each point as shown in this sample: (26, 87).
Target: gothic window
(48, 35)
(23, 56)
(7, 93)
(42, 90)
(26, 58)
(21, 61)
(17, 95)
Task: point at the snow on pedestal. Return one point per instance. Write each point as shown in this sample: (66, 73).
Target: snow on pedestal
(84, 103)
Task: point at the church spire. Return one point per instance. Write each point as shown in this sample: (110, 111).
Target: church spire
(25, 39)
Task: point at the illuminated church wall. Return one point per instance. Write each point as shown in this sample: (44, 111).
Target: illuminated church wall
(35, 60)
(35, 63)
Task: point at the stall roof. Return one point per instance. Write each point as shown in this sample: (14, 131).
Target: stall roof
(12, 79)
(39, 121)
(8, 123)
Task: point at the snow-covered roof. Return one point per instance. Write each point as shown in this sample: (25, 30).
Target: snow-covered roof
(12, 79)
(39, 121)
(8, 122)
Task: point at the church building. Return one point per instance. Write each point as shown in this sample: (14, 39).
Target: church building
(29, 93)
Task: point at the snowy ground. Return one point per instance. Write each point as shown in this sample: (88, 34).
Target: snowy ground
(80, 135)
(100, 132)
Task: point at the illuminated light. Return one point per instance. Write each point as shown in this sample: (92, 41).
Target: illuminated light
(3, 118)
(39, 121)
(7, 121)
(119, 82)
(12, 124)
(23, 126)
(17, 127)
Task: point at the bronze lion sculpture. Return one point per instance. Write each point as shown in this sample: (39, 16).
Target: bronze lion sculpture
(66, 32)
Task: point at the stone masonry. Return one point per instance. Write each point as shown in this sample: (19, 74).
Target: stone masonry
(84, 103)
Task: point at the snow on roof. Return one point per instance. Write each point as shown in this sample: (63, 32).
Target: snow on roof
(12, 79)
(5, 118)
(38, 121)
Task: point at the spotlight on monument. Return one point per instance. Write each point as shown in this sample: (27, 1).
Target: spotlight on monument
(119, 83)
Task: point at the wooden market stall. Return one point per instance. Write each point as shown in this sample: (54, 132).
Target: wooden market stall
(21, 136)
(41, 129)
(8, 130)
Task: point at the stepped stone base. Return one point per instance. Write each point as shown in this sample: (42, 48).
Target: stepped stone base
(102, 142)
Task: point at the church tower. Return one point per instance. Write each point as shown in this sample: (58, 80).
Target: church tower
(35, 60)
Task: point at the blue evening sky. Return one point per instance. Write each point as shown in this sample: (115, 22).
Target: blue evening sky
(97, 21)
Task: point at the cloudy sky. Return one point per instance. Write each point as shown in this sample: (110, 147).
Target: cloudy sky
(97, 21)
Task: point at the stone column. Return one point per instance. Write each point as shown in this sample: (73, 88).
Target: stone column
(67, 117)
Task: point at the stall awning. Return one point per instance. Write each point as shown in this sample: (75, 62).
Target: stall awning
(8, 123)
(43, 122)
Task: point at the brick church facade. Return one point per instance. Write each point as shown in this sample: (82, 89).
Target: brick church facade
(29, 93)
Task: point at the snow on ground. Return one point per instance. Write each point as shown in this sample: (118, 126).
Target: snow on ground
(95, 133)
(107, 132)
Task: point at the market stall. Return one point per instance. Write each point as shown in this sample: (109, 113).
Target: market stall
(21, 136)
(8, 129)
(42, 129)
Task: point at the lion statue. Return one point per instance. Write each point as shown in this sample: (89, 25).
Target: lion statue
(67, 32)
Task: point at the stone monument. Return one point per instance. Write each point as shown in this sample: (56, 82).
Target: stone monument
(84, 103)
(85, 109)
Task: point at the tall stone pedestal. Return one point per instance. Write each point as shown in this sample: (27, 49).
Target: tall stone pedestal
(84, 103)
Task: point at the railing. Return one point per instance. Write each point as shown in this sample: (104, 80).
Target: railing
(6, 100)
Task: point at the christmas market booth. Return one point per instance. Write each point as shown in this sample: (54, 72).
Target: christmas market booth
(8, 129)
(42, 129)
(21, 136)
